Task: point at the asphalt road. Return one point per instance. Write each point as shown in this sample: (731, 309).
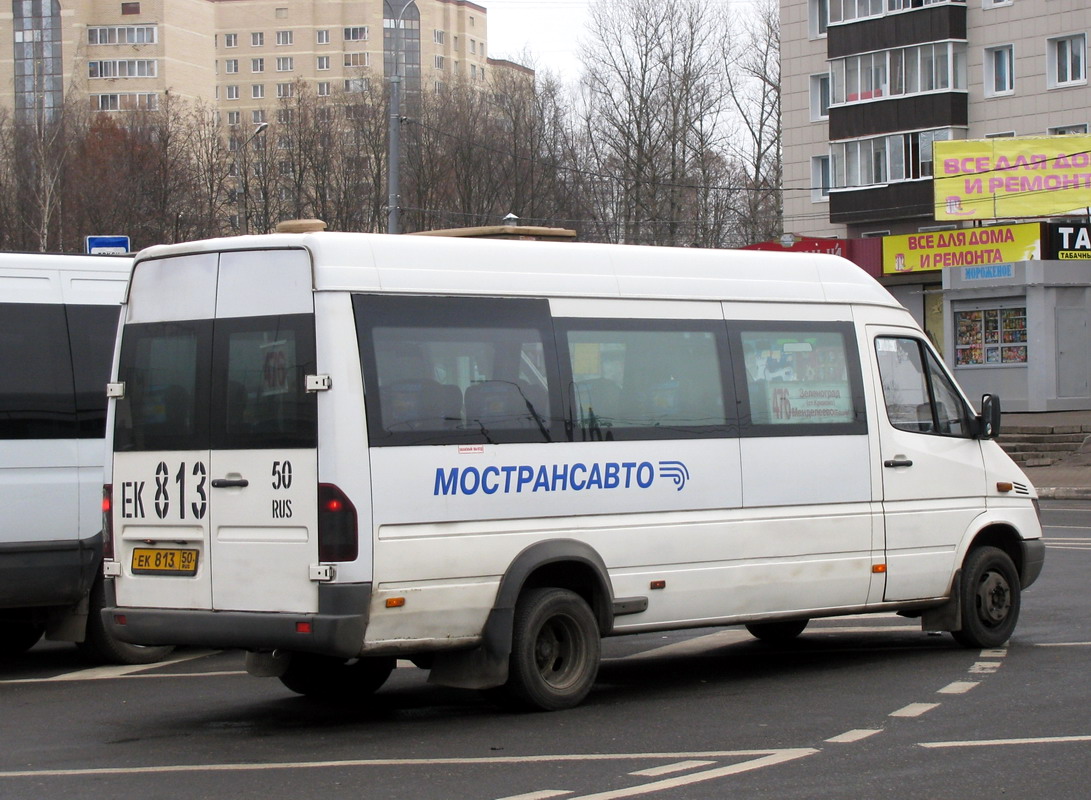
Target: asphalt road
(859, 707)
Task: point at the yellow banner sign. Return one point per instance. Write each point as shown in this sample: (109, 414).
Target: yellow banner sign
(965, 247)
(1029, 176)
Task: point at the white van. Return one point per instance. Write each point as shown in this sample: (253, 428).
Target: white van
(334, 450)
(60, 318)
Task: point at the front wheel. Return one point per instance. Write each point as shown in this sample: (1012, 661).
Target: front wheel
(990, 596)
(777, 632)
(332, 678)
(555, 651)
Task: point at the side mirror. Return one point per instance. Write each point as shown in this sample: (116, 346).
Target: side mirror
(988, 424)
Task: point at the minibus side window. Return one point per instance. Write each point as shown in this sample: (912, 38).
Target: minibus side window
(441, 370)
(799, 378)
(919, 395)
(92, 331)
(36, 394)
(645, 379)
(165, 368)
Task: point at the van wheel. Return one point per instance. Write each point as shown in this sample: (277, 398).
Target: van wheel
(990, 596)
(331, 678)
(18, 637)
(100, 645)
(777, 632)
(554, 654)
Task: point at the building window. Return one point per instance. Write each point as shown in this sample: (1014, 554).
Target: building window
(231, 66)
(473, 46)
(885, 159)
(1069, 130)
(323, 88)
(353, 85)
(123, 68)
(257, 91)
(999, 135)
(322, 63)
(357, 59)
(257, 117)
(473, 71)
(285, 90)
(130, 8)
(234, 117)
(818, 14)
(122, 34)
(820, 97)
(231, 40)
(356, 34)
(999, 70)
(847, 10)
(939, 66)
(820, 178)
(996, 335)
(125, 101)
(285, 64)
(257, 39)
(257, 65)
(438, 36)
(439, 62)
(282, 13)
(1067, 62)
(995, 3)
(322, 37)
(232, 92)
(285, 37)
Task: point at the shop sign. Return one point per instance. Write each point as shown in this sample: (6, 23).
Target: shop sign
(964, 247)
(1018, 176)
(1069, 241)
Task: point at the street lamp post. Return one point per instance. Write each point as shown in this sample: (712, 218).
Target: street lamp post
(261, 126)
(393, 174)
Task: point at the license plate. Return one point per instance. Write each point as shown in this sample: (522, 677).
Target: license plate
(163, 561)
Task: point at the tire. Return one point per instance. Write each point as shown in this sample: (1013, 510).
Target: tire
(990, 596)
(331, 678)
(99, 645)
(777, 632)
(18, 637)
(555, 652)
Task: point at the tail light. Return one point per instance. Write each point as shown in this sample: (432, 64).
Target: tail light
(337, 532)
(107, 521)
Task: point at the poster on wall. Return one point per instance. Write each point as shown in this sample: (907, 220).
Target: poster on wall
(963, 247)
(1069, 241)
(1017, 176)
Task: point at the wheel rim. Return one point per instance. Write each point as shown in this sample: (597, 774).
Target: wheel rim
(558, 653)
(993, 598)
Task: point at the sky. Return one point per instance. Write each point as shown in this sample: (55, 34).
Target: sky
(548, 29)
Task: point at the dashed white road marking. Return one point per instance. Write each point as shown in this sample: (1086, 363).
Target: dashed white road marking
(128, 671)
(1000, 742)
(670, 769)
(997, 653)
(958, 687)
(984, 667)
(1063, 644)
(544, 794)
(854, 735)
(914, 709)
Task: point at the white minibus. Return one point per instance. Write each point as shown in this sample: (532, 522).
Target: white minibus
(335, 450)
(60, 319)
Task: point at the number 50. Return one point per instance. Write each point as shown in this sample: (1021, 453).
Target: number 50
(282, 474)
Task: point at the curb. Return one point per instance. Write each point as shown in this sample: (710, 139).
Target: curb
(1064, 492)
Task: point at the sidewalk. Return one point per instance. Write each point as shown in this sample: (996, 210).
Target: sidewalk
(1068, 479)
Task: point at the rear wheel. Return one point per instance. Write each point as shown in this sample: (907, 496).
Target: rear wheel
(100, 644)
(18, 637)
(777, 632)
(555, 651)
(331, 678)
(990, 596)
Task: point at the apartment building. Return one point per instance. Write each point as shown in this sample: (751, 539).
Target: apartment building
(240, 55)
(869, 85)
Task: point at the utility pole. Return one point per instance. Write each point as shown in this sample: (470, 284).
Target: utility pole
(394, 155)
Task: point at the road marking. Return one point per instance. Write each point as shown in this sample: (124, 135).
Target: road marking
(758, 758)
(914, 710)
(999, 742)
(670, 769)
(984, 667)
(1063, 644)
(854, 735)
(958, 687)
(125, 671)
(544, 794)
(997, 653)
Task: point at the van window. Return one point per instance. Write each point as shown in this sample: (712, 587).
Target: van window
(457, 369)
(92, 331)
(919, 395)
(646, 379)
(36, 400)
(799, 378)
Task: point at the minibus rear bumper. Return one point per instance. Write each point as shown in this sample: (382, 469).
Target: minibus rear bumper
(336, 630)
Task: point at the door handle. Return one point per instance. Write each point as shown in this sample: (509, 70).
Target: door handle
(227, 483)
(890, 462)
